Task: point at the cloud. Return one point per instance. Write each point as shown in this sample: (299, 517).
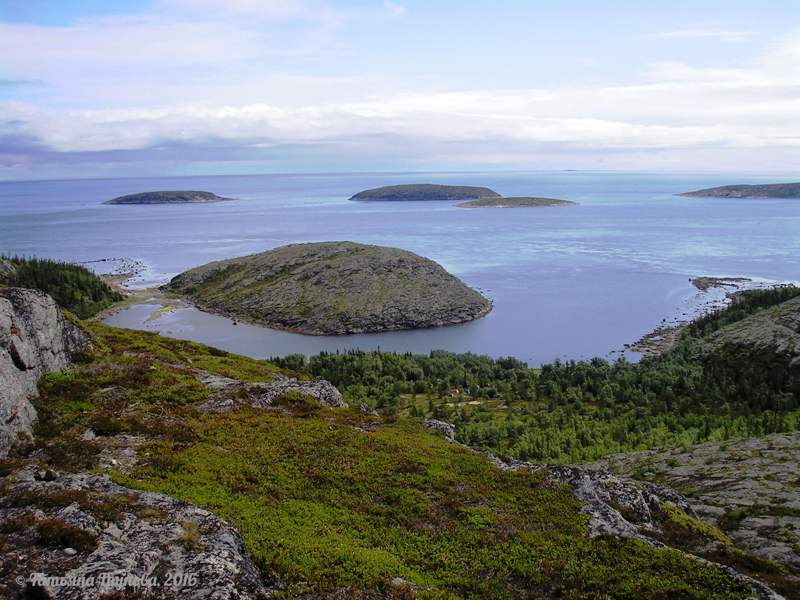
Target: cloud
(138, 88)
(726, 35)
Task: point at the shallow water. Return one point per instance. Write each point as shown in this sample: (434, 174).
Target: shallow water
(566, 281)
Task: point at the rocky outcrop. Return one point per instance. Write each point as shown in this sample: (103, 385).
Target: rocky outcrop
(34, 339)
(231, 393)
(747, 487)
(333, 288)
(79, 536)
(7, 272)
(615, 506)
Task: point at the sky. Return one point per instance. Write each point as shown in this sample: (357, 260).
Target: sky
(99, 88)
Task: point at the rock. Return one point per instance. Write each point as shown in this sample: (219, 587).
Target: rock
(747, 486)
(171, 548)
(616, 506)
(446, 429)
(34, 339)
(333, 288)
(232, 392)
(7, 272)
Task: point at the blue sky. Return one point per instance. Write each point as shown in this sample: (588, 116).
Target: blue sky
(92, 89)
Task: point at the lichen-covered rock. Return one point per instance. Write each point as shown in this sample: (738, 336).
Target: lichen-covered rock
(446, 429)
(232, 392)
(34, 339)
(103, 538)
(7, 272)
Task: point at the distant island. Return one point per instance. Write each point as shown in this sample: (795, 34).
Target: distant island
(333, 288)
(770, 190)
(515, 202)
(168, 197)
(424, 191)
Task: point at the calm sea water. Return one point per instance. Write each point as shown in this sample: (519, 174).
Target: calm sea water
(567, 282)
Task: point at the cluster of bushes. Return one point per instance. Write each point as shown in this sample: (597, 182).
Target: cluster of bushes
(74, 287)
(573, 411)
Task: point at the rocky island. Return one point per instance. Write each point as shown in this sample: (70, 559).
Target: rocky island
(515, 202)
(772, 190)
(333, 288)
(424, 191)
(168, 197)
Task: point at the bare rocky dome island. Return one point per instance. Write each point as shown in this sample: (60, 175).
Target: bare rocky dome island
(424, 191)
(333, 288)
(168, 197)
(771, 190)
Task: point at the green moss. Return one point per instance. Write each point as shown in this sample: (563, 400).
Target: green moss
(681, 519)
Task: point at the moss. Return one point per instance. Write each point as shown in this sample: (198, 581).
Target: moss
(678, 517)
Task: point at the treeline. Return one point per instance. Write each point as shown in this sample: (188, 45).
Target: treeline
(72, 286)
(572, 411)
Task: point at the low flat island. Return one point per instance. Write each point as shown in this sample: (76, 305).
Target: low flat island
(770, 190)
(515, 202)
(169, 197)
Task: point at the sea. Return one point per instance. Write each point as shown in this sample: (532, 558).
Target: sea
(566, 282)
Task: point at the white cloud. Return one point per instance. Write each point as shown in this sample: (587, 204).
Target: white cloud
(726, 35)
(127, 83)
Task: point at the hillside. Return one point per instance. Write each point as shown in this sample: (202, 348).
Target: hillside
(424, 191)
(333, 288)
(515, 202)
(73, 286)
(771, 190)
(323, 499)
(168, 197)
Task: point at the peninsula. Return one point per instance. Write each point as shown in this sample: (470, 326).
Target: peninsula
(168, 197)
(515, 202)
(333, 288)
(771, 190)
(424, 191)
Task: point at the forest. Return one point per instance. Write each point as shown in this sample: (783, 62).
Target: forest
(72, 286)
(576, 411)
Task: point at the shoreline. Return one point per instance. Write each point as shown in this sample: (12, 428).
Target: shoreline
(664, 336)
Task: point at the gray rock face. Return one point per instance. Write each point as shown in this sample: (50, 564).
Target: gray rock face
(446, 429)
(34, 339)
(7, 272)
(232, 392)
(85, 528)
(749, 487)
